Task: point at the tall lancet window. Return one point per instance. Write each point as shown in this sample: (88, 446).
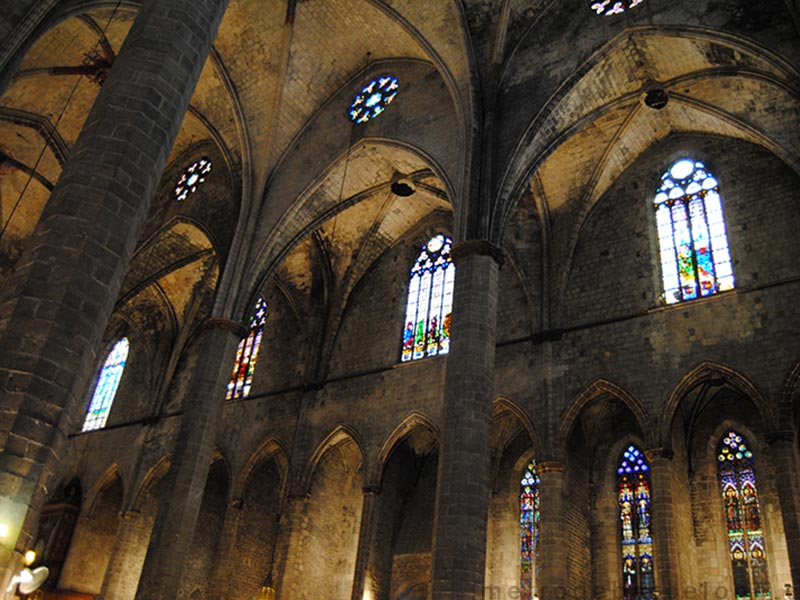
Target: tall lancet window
(743, 518)
(430, 301)
(529, 520)
(633, 488)
(695, 259)
(247, 354)
(106, 387)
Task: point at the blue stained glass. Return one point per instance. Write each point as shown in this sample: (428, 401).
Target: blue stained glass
(106, 386)
(743, 518)
(633, 496)
(529, 531)
(244, 365)
(613, 7)
(373, 98)
(191, 178)
(430, 301)
(695, 258)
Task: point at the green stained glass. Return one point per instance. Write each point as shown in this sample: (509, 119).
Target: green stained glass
(740, 499)
(529, 519)
(694, 253)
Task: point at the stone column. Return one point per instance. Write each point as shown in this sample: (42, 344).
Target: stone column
(291, 551)
(787, 469)
(127, 556)
(462, 489)
(553, 532)
(224, 565)
(172, 536)
(662, 507)
(56, 305)
(369, 571)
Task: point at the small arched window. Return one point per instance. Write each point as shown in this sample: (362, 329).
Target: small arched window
(633, 493)
(244, 366)
(743, 517)
(106, 387)
(430, 301)
(695, 259)
(529, 520)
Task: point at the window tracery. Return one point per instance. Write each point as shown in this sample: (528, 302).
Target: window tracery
(430, 301)
(746, 544)
(244, 365)
(633, 496)
(529, 520)
(106, 387)
(695, 258)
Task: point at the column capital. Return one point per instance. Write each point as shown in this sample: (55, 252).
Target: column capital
(550, 466)
(372, 489)
(781, 435)
(478, 248)
(658, 453)
(229, 325)
(298, 496)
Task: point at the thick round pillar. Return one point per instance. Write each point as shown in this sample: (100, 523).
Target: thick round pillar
(553, 543)
(662, 506)
(172, 536)
(125, 564)
(57, 303)
(290, 557)
(219, 588)
(370, 568)
(462, 491)
(784, 458)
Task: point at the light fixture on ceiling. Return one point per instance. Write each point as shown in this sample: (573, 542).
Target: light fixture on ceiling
(656, 98)
(403, 186)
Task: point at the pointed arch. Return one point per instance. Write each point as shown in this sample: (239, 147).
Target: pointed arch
(743, 515)
(597, 389)
(636, 542)
(106, 385)
(154, 474)
(244, 365)
(270, 448)
(414, 420)
(112, 473)
(692, 236)
(217, 457)
(503, 404)
(789, 409)
(429, 303)
(712, 373)
(70, 485)
(341, 434)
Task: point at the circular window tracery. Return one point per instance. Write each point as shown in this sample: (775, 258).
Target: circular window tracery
(191, 178)
(609, 7)
(373, 98)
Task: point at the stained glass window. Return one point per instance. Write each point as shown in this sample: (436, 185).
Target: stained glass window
(247, 354)
(373, 98)
(695, 259)
(191, 178)
(106, 387)
(609, 7)
(529, 520)
(743, 518)
(633, 488)
(430, 301)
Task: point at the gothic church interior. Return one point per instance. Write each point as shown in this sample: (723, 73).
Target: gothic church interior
(400, 299)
